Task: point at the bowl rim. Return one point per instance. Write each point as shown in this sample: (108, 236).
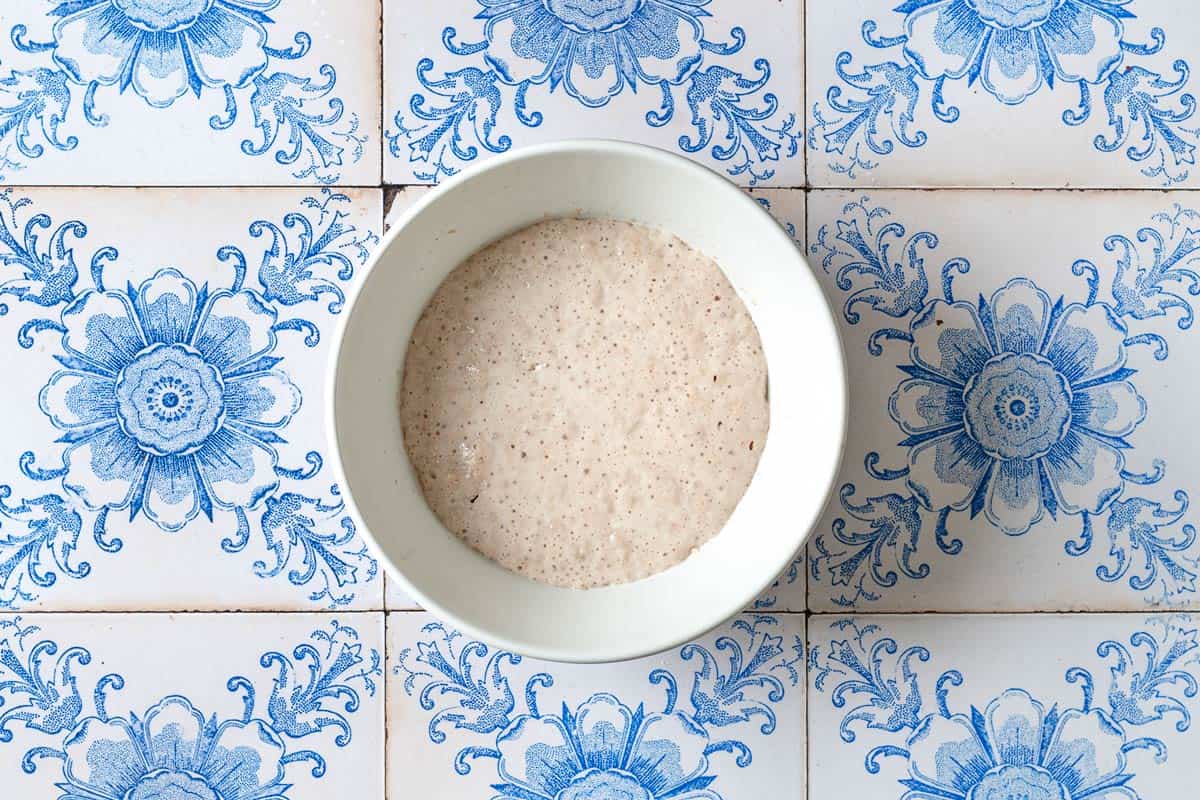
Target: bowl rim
(584, 146)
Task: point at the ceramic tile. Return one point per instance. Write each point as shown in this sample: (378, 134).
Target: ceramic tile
(721, 717)
(107, 92)
(230, 706)
(718, 80)
(1080, 93)
(984, 706)
(1021, 370)
(164, 442)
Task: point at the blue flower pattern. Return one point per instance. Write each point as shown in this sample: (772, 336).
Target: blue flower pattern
(593, 50)
(173, 404)
(167, 400)
(594, 47)
(1015, 746)
(1014, 408)
(172, 750)
(162, 50)
(1013, 49)
(602, 746)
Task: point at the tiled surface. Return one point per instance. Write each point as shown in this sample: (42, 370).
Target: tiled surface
(159, 705)
(721, 82)
(926, 94)
(1038, 531)
(190, 93)
(1076, 498)
(723, 716)
(175, 532)
(1002, 706)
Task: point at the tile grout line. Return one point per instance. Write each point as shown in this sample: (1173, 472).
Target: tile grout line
(804, 100)
(808, 771)
(386, 707)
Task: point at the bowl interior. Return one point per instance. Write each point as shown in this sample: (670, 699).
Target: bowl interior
(806, 384)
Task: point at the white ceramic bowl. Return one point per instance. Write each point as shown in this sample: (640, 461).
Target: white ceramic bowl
(806, 381)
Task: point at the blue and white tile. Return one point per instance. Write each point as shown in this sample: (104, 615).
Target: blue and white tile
(722, 717)
(164, 442)
(1022, 368)
(718, 80)
(1046, 93)
(195, 92)
(236, 707)
(1031, 706)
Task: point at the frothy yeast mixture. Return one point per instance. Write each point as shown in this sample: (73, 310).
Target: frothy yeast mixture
(585, 401)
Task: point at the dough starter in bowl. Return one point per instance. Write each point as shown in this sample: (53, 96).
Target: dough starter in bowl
(585, 401)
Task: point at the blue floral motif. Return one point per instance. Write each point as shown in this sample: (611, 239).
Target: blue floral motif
(173, 404)
(170, 751)
(1015, 746)
(34, 106)
(1014, 407)
(314, 689)
(175, 751)
(38, 527)
(1012, 48)
(594, 50)
(891, 697)
(1134, 525)
(1162, 685)
(602, 747)
(37, 692)
(332, 557)
(1023, 750)
(48, 269)
(1017, 405)
(169, 398)
(1145, 289)
(162, 50)
(893, 530)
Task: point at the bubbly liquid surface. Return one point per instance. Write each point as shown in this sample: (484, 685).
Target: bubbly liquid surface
(585, 401)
